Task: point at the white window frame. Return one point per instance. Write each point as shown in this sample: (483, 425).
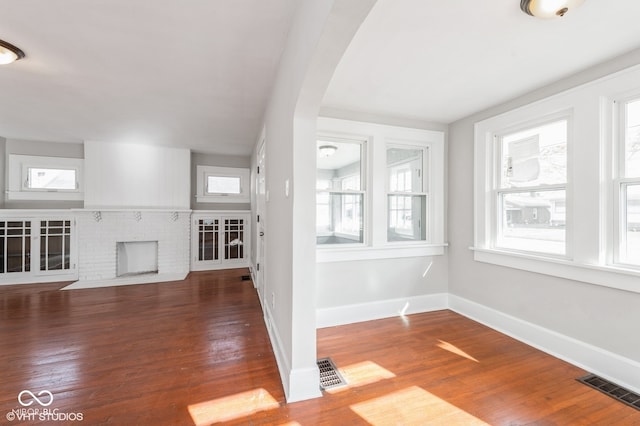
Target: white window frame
(18, 176)
(620, 180)
(425, 192)
(362, 143)
(593, 194)
(497, 191)
(377, 137)
(204, 172)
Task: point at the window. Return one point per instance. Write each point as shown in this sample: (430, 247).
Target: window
(407, 195)
(530, 193)
(222, 185)
(628, 184)
(51, 179)
(219, 185)
(379, 191)
(340, 194)
(557, 184)
(45, 178)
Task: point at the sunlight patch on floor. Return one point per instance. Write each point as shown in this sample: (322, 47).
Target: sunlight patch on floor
(232, 407)
(361, 374)
(454, 349)
(412, 406)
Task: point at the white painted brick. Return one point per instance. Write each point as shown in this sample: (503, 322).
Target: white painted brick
(97, 240)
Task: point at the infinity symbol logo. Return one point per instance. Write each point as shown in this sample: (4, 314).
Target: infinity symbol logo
(35, 398)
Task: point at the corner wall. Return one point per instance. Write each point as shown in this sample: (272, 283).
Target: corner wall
(320, 33)
(591, 314)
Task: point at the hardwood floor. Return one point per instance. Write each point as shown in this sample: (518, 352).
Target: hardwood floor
(197, 352)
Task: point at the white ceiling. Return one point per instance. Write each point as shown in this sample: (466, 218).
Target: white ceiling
(191, 73)
(440, 61)
(197, 74)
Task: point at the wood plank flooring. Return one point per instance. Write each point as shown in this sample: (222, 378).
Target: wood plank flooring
(197, 352)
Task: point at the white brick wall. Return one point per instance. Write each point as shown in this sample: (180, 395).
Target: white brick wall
(99, 231)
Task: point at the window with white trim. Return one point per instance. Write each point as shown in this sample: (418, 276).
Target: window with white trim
(222, 184)
(340, 193)
(406, 193)
(628, 183)
(530, 193)
(387, 199)
(45, 178)
(595, 175)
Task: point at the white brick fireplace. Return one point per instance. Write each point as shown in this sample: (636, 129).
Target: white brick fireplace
(100, 231)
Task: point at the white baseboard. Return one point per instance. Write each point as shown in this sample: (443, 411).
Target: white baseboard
(304, 383)
(282, 360)
(618, 369)
(340, 315)
(299, 384)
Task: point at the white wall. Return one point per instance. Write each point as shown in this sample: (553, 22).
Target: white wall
(594, 315)
(119, 175)
(319, 35)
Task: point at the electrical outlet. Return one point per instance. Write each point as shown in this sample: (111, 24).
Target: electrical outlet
(273, 300)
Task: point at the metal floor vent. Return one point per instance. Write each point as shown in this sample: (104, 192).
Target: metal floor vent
(632, 399)
(330, 377)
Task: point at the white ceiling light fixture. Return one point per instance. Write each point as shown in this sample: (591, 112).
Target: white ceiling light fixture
(327, 150)
(548, 8)
(9, 53)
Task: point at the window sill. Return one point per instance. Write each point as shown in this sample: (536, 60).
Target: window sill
(608, 276)
(222, 199)
(337, 254)
(45, 195)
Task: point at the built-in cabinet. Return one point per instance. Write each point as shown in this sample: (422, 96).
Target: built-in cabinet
(220, 240)
(36, 246)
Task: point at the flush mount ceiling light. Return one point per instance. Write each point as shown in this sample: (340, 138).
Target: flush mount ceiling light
(548, 8)
(327, 150)
(9, 53)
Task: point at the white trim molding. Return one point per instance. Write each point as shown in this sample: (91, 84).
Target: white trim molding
(324, 255)
(298, 384)
(347, 314)
(623, 371)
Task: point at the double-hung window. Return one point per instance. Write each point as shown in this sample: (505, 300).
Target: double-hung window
(628, 183)
(407, 196)
(340, 192)
(530, 192)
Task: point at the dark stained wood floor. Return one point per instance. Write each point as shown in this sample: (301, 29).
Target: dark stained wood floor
(197, 352)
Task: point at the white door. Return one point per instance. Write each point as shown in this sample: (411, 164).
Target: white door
(260, 219)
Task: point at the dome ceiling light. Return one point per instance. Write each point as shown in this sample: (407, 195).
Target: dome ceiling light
(548, 8)
(9, 53)
(327, 150)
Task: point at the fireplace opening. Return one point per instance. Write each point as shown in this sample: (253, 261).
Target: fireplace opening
(136, 257)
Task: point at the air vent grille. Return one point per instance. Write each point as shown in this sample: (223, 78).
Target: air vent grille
(632, 399)
(330, 377)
